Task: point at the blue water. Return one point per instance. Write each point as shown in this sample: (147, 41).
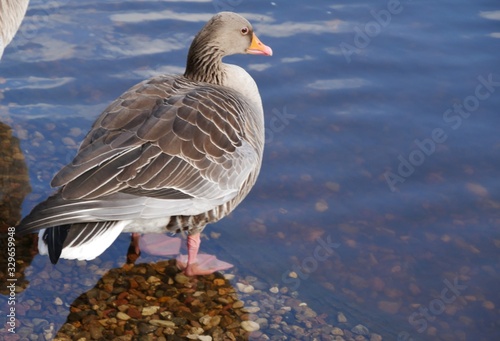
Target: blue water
(382, 136)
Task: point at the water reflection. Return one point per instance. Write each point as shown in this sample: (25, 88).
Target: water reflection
(14, 186)
(14, 179)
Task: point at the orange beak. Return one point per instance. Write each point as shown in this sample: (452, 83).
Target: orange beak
(256, 47)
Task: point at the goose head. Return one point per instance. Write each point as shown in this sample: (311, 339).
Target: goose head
(225, 34)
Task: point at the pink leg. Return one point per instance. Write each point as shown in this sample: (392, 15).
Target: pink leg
(133, 250)
(199, 264)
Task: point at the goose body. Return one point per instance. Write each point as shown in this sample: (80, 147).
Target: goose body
(173, 153)
(11, 15)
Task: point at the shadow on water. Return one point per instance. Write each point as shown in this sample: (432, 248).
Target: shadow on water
(14, 179)
(14, 186)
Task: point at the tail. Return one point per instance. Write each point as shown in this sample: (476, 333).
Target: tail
(52, 240)
(56, 212)
(82, 241)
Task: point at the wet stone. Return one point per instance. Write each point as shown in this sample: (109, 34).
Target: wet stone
(360, 330)
(181, 278)
(95, 330)
(223, 300)
(341, 318)
(488, 305)
(337, 331)
(148, 311)
(238, 304)
(39, 324)
(389, 307)
(259, 285)
(250, 310)
(219, 282)
(250, 326)
(145, 328)
(196, 331)
(162, 323)
(122, 316)
(245, 288)
(68, 141)
(23, 332)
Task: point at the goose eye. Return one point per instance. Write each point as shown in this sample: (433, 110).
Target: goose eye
(244, 30)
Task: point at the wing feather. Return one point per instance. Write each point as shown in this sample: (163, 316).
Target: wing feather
(167, 146)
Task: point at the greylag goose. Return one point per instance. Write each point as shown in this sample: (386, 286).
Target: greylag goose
(11, 15)
(173, 153)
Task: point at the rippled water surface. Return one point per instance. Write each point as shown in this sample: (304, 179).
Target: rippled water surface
(379, 195)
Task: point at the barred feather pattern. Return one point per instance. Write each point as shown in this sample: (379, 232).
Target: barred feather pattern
(170, 157)
(172, 153)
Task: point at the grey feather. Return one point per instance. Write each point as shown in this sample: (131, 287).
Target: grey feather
(171, 153)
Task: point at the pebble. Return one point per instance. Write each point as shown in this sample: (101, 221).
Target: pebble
(360, 330)
(204, 338)
(22, 134)
(154, 280)
(389, 307)
(146, 328)
(332, 186)
(489, 305)
(181, 278)
(49, 332)
(238, 304)
(196, 331)
(341, 318)
(122, 316)
(321, 206)
(75, 132)
(40, 323)
(250, 326)
(215, 321)
(68, 141)
(250, 310)
(219, 282)
(205, 320)
(414, 289)
(148, 311)
(245, 288)
(274, 290)
(95, 330)
(261, 322)
(58, 301)
(337, 331)
(162, 323)
(229, 277)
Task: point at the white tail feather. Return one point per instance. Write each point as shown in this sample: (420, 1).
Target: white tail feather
(92, 248)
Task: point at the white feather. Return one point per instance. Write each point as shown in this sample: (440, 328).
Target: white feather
(89, 250)
(96, 246)
(42, 247)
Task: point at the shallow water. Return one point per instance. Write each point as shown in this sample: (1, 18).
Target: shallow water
(382, 145)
